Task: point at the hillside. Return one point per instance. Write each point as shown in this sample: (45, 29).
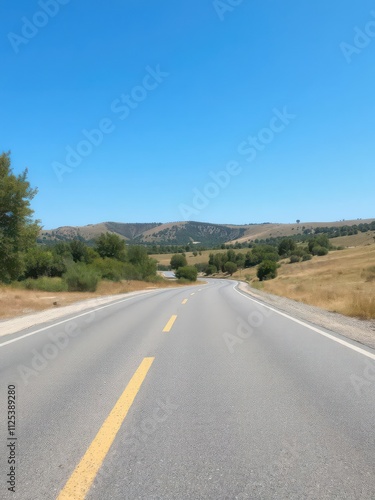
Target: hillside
(182, 233)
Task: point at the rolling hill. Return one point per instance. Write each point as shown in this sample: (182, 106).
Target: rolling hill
(182, 233)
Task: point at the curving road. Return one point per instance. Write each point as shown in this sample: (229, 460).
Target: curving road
(189, 393)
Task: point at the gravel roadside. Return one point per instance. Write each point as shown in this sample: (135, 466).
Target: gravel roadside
(361, 331)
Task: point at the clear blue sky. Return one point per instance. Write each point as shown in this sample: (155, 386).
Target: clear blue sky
(229, 69)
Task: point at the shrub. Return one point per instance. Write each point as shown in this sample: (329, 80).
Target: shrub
(267, 270)
(45, 284)
(211, 269)
(306, 256)
(260, 253)
(109, 269)
(294, 258)
(81, 278)
(130, 272)
(201, 267)
(187, 272)
(318, 250)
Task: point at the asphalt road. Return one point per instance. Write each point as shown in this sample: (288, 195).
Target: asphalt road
(189, 393)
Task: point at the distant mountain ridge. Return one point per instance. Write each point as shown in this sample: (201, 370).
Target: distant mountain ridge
(186, 232)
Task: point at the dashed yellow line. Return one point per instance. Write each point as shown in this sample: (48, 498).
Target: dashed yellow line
(184, 301)
(192, 293)
(84, 474)
(169, 325)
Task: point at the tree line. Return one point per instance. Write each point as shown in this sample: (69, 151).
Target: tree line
(266, 257)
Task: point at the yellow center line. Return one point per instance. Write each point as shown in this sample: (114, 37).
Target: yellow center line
(192, 293)
(84, 474)
(184, 301)
(169, 325)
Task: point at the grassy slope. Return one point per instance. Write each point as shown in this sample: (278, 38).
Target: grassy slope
(340, 282)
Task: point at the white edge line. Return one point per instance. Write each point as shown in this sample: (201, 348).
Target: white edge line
(74, 317)
(317, 330)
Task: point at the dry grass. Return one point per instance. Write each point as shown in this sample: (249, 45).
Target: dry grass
(342, 281)
(355, 240)
(15, 302)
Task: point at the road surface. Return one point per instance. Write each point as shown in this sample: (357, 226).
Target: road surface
(190, 393)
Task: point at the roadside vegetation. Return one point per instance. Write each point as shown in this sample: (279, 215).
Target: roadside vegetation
(182, 271)
(64, 266)
(266, 257)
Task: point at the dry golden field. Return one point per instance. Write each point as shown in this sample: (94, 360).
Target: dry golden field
(342, 281)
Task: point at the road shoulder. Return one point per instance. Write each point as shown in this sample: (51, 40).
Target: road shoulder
(361, 331)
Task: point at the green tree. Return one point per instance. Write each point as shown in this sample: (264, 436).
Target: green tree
(111, 245)
(230, 267)
(187, 272)
(18, 230)
(286, 247)
(267, 270)
(178, 260)
(38, 262)
(231, 255)
(78, 251)
(240, 260)
(319, 241)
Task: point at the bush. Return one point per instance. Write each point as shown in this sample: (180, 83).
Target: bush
(211, 269)
(44, 284)
(318, 250)
(294, 258)
(187, 272)
(260, 253)
(109, 269)
(307, 256)
(81, 278)
(130, 272)
(267, 270)
(318, 242)
(200, 267)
